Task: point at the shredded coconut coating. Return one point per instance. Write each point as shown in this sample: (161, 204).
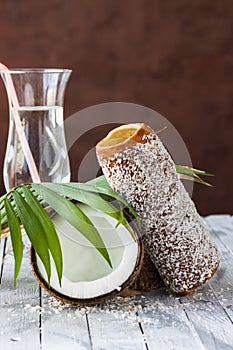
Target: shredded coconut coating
(174, 235)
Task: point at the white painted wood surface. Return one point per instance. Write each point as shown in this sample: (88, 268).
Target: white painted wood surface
(30, 319)
(19, 326)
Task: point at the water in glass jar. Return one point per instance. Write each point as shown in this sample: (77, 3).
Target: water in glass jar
(43, 127)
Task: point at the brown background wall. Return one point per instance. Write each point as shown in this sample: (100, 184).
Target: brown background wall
(172, 56)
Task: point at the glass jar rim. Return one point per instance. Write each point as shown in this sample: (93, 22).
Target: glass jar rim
(36, 70)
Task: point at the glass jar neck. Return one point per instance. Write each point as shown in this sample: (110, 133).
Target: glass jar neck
(37, 87)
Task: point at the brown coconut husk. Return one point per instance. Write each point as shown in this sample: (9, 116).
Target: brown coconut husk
(147, 280)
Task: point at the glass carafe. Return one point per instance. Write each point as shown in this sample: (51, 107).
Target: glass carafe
(40, 98)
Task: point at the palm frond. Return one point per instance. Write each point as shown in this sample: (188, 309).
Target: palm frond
(16, 236)
(191, 174)
(26, 205)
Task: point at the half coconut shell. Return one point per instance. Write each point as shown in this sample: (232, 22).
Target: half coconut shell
(87, 278)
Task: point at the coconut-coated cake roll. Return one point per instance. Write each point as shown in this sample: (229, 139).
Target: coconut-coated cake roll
(138, 166)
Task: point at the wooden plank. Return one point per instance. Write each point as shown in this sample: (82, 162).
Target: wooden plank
(165, 324)
(63, 326)
(114, 325)
(221, 227)
(210, 308)
(19, 317)
(209, 319)
(222, 282)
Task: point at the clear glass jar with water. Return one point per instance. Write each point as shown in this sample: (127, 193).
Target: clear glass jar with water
(40, 99)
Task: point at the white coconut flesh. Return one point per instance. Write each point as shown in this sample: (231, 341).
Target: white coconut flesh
(86, 274)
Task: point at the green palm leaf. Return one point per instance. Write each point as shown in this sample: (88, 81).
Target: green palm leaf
(34, 230)
(191, 174)
(183, 169)
(16, 237)
(195, 178)
(75, 216)
(92, 199)
(49, 230)
(100, 186)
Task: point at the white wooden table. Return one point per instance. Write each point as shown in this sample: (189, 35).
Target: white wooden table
(30, 319)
